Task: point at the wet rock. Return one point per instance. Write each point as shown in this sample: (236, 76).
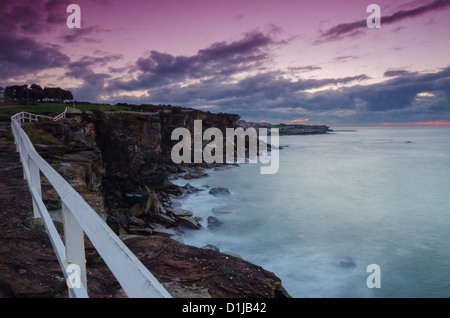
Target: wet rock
(226, 210)
(211, 247)
(158, 229)
(176, 212)
(191, 189)
(346, 262)
(189, 222)
(214, 222)
(219, 191)
(195, 174)
(165, 219)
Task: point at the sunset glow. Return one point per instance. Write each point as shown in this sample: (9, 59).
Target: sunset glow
(299, 120)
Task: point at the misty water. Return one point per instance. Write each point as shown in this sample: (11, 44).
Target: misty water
(339, 203)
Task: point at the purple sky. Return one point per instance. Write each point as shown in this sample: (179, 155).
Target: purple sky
(277, 60)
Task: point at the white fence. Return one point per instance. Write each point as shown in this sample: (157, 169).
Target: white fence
(79, 218)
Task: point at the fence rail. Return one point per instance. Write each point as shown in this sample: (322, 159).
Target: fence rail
(79, 218)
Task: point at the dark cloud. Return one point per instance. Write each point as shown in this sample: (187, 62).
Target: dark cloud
(31, 17)
(354, 28)
(302, 69)
(24, 55)
(81, 34)
(221, 59)
(93, 83)
(395, 73)
(270, 96)
(345, 58)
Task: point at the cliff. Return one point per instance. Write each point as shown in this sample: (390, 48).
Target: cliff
(120, 164)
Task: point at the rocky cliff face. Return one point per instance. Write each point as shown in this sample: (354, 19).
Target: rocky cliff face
(120, 163)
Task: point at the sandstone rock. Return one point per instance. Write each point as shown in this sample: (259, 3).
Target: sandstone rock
(136, 210)
(158, 229)
(221, 275)
(165, 219)
(189, 222)
(176, 212)
(195, 174)
(140, 231)
(136, 221)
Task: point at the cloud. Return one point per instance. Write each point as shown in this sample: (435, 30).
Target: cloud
(353, 28)
(303, 69)
(395, 73)
(93, 83)
(24, 55)
(220, 60)
(83, 34)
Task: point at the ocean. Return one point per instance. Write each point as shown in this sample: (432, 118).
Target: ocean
(339, 203)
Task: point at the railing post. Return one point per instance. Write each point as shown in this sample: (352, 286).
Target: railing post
(35, 181)
(74, 242)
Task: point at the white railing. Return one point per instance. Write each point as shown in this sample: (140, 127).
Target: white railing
(79, 218)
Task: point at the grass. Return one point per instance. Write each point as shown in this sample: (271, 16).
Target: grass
(11, 108)
(38, 136)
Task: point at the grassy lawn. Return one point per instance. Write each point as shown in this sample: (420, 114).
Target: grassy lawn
(12, 108)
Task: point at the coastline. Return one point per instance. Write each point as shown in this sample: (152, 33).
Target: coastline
(184, 270)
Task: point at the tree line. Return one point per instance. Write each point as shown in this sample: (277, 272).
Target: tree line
(35, 93)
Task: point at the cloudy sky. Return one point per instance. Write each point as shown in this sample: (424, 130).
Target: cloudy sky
(266, 60)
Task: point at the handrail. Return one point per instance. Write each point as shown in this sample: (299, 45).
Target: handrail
(78, 218)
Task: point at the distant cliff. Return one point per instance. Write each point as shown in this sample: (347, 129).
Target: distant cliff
(288, 129)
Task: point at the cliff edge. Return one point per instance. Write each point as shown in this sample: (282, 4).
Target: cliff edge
(120, 164)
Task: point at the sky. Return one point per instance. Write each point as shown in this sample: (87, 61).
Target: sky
(314, 62)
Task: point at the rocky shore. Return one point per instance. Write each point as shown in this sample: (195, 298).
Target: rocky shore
(120, 164)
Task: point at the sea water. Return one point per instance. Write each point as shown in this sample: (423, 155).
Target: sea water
(339, 202)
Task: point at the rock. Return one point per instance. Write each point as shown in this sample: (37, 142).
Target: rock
(223, 276)
(153, 206)
(140, 231)
(211, 247)
(136, 221)
(213, 222)
(219, 191)
(226, 210)
(158, 229)
(199, 173)
(346, 262)
(165, 219)
(182, 168)
(191, 189)
(136, 210)
(189, 222)
(176, 212)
